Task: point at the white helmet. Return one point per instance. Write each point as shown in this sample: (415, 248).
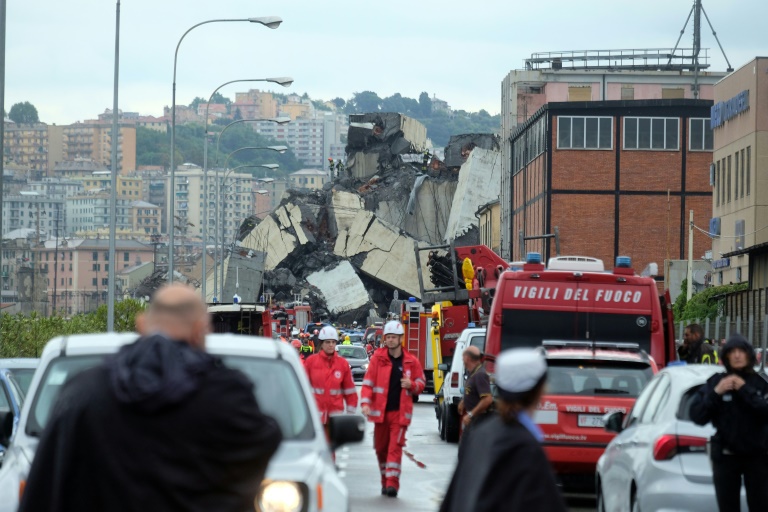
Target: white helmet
(393, 327)
(328, 333)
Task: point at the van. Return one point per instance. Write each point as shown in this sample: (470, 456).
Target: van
(451, 393)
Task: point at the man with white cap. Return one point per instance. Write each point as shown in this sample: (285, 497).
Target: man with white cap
(393, 378)
(330, 377)
(504, 466)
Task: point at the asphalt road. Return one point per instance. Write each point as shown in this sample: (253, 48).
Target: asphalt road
(420, 489)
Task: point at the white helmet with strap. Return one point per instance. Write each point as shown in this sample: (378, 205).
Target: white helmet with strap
(328, 333)
(393, 327)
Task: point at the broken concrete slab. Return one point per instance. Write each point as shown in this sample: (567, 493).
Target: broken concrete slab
(345, 206)
(341, 287)
(244, 273)
(374, 127)
(460, 146)
(478, 184)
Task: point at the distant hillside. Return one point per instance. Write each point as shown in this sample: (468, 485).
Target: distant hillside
(440, 121)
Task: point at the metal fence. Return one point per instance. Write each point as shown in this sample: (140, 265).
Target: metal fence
(752, 327)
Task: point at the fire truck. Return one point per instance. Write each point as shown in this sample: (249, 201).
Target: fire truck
(575, 299)
(463, 279)
(270, 320)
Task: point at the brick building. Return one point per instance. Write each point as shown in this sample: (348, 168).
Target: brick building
(612, 177)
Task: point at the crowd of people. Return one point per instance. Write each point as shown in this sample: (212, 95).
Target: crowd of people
(139, 406)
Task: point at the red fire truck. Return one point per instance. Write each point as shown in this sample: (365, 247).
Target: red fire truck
(575, 299)
(462, 282)
(260, 319)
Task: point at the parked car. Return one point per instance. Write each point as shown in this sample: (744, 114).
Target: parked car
(658, 460)
(357, 359)
(11, 401)
(452, 391)
(301, 469)
(584, 381)
(23, 369)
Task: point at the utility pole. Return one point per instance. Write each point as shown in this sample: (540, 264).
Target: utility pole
(689, 289)
(56, 260)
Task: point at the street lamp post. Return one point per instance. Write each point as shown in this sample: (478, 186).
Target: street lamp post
(113, 193)
(285, 82)
(223, 208)
(268, 21)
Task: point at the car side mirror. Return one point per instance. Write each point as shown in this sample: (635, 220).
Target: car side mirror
(443, 367)
(613, 421)
(346, 428)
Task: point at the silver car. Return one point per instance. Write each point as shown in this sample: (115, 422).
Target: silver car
(23, 369)
(301, 476)
(658, 461)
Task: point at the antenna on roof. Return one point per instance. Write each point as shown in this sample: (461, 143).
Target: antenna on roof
(697, 11)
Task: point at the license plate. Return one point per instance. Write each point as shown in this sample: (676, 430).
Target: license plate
(590, 420)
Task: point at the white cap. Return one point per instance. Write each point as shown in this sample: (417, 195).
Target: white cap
(519, 369)
(328, 333)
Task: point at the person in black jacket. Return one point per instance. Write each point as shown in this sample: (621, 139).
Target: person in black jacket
(503, 466)
(695, 350)
(161, 426)
(736, 402)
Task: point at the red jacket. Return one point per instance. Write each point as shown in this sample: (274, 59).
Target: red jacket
(332, 384)
(376, 385)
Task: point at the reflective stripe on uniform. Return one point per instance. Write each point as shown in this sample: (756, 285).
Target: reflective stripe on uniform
(375, 413)
(335, 391)
(392, 473)
(392, 465)
(422, 381)
(365, 401)
(367, 382)
(407, 416)
(350, 391)
(378, 390)
(351, 409)
(319, 391)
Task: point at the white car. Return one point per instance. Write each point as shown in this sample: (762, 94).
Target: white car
(301, 475)
(452, 391)
(658, 460)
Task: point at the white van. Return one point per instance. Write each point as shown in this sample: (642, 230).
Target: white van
(448, 398)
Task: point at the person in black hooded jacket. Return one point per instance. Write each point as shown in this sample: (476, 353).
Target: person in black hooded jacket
(736, 402)
(161, 426)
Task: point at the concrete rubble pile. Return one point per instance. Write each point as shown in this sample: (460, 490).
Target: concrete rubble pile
(347, 248)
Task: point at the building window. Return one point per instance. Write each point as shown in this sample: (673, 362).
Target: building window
(717, 183)
(104, 281)
(736, 176)
(627, 92)
(656, 133)
(584, 132)
(728, 181)
(580, 93)
(95, 256)
(719, 278)
(96, 267)
(70, 281)
(739, 232)
(749, 156)
(738, 274)
(701, 135)
(95, 281)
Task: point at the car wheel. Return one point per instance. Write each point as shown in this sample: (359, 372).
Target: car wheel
(441, 423)
(452, 425)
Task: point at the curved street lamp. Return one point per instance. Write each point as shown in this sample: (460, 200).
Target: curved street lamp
(268, 21)
(285, 82)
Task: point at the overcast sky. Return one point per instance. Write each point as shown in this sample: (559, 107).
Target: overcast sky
(60, 54)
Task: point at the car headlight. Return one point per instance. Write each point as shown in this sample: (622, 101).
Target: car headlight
(365, 366)
(280, 496)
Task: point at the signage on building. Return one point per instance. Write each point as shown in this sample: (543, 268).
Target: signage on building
(728, 109)
(721, 263)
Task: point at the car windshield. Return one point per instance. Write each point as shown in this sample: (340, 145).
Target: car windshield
(351, 352)
(23, 377)
(277, 389)
(528, 328)
(596, 378)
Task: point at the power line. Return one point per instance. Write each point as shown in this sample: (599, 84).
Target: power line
(714, 235)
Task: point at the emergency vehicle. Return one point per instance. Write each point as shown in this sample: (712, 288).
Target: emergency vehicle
(260, 319)
(605, 334)
(575, 299)
(462, 280)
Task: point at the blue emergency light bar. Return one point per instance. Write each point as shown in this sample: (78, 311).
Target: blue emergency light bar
(623, 262)
(533, 258)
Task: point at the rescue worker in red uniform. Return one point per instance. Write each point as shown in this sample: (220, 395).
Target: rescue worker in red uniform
(331, 378)
(393, 379)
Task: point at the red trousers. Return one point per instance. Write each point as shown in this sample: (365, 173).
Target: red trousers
(388, 441)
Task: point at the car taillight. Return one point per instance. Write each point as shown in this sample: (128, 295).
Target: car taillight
(667, 446)
(455, 380)
(22, 486)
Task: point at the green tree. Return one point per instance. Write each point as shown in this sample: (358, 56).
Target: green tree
(426, 104)
(705, 304)
(339, 102)
(23, 113)
(362, 102)
(238, 115)
(216, 98)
